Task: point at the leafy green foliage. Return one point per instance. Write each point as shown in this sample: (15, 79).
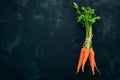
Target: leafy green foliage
(86, 15)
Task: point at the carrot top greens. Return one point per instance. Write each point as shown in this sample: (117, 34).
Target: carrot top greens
(87, 17)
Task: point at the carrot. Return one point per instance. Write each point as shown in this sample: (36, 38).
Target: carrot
(92, 62)
(80, 59)
(86, 55)
(87, 17)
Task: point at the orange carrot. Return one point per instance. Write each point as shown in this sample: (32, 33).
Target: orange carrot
(92, 62)
(86, 55)
(80, 59)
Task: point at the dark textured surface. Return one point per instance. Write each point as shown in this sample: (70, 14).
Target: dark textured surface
(40, 40)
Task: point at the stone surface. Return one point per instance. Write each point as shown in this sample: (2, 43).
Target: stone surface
(40, 40)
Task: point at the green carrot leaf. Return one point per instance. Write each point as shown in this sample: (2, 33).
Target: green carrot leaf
(75, 5)
(86, 15)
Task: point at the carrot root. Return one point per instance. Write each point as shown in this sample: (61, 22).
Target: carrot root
(92, 62)
(80, 59)
(86, 55)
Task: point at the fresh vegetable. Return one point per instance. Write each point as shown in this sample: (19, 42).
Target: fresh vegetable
(86, 55)
(87, 17)
(92, 61)
(80, 59)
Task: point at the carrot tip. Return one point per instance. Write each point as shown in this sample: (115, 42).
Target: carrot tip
(76, 72)
(93, 73)
(82, 70)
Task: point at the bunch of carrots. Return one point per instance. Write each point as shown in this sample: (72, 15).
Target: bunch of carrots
(87, 18)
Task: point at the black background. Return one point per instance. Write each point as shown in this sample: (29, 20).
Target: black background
(40, 40)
